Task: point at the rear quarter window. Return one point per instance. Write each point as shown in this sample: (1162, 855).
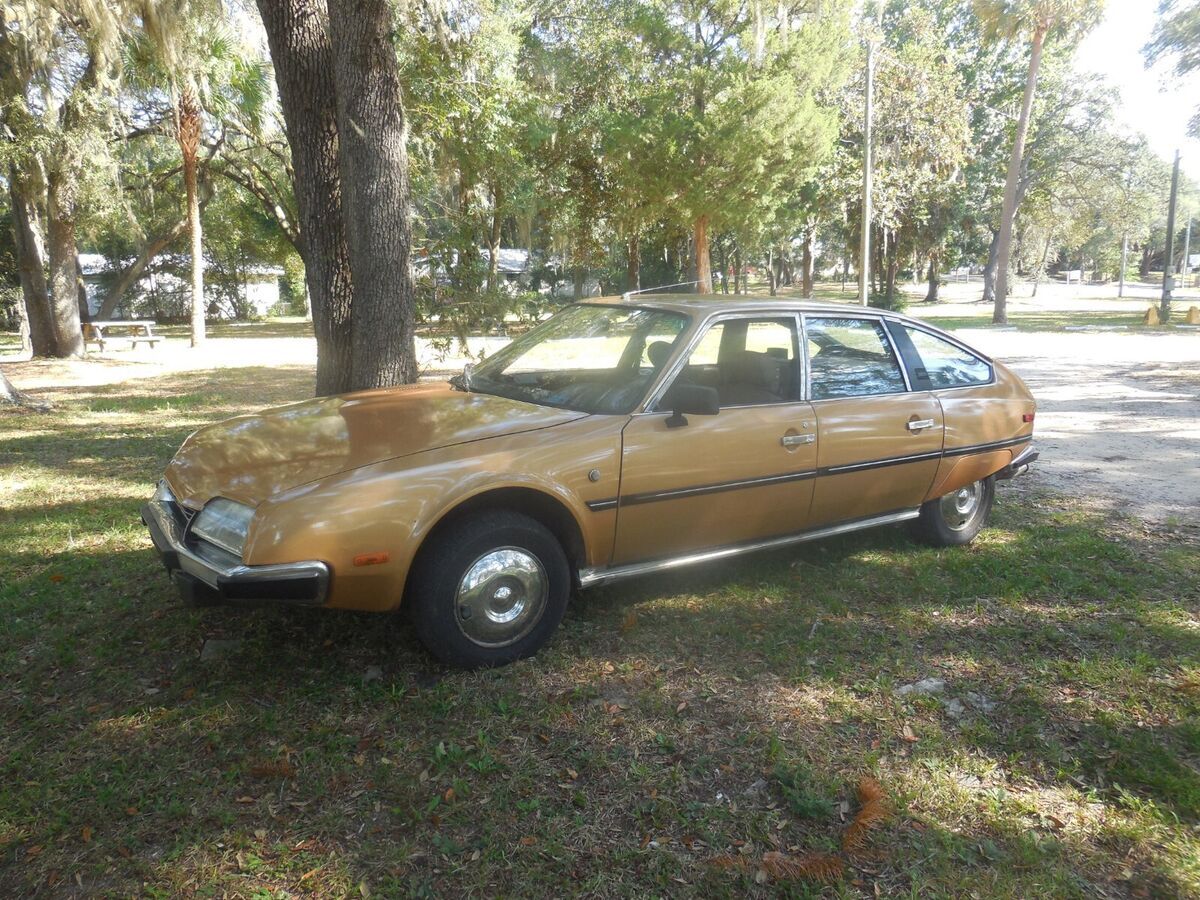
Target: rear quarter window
(948, 365)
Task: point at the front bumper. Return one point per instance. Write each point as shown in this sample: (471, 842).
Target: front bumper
(205, 573)
(1020, 464)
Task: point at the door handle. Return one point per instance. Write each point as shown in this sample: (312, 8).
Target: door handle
(795, 440)
(920, 424)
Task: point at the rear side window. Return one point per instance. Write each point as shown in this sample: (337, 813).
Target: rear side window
(947, 365)
(851, 358)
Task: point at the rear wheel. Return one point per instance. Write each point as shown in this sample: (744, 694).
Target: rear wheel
(956, 518)
(490, 589)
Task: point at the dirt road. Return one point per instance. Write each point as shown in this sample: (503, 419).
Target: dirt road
(1118, 415)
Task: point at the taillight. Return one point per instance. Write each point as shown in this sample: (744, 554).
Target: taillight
(1027, 418)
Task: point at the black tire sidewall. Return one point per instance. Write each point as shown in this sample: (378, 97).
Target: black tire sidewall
(441, 565)
(931, 525)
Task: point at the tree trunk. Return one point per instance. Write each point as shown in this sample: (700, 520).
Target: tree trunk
(577, 276)
(62, 251)
(130, 274)
(1145, 263)
(1008, 212)
(771, 272)
(188, 122)
(375, 200)
(85, 313)
(303, 61)
(701, 255)
(31, 264)
(806, 266)
(989, 270)
(1041, 270)
(931, 295)
(893, 267)
(633, 274)
(493, 278)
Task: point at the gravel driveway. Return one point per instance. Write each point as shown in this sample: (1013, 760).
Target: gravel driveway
(1118, 419)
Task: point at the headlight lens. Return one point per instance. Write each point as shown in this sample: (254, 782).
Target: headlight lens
(224, 523)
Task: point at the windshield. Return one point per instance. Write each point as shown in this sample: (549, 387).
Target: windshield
(590, 358)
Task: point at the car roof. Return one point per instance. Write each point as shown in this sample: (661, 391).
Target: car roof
(703, 306)
(707, 304)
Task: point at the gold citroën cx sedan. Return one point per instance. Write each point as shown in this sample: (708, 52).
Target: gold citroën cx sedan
(615, 439)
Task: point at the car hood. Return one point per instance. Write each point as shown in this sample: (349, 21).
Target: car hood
(250, 458)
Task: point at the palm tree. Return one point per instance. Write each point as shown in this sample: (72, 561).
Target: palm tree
(1012, 19)
(186, 53)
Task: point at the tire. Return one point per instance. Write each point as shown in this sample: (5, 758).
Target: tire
(954, 519)
(491, 588)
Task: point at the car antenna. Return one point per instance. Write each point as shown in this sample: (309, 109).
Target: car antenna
(660, 287)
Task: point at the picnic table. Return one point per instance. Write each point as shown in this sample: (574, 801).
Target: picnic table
(136, 331)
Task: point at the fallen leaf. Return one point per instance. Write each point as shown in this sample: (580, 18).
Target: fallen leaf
(279, 768)
(908, 735)
(131, 810)
(58, 579)
(244, 800)
(87, 834)
(528, 841)
(681, 707)
(448, 797)
(629, 622)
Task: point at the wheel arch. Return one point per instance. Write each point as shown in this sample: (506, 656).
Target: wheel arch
(539, 505)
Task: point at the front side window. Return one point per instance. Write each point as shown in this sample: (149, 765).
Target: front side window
(590, 358)
(749, 362)
(947, 365)
(851, 358)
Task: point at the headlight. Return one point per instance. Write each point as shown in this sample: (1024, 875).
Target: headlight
(224, 523)
(162, 493)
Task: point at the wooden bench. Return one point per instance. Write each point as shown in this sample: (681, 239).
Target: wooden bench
(139, 331)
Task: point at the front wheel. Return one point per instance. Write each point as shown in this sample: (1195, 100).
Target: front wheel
(491, 589)
(956, 518)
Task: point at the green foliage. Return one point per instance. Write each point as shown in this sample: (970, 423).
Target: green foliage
(800, 791)
(1177, 37)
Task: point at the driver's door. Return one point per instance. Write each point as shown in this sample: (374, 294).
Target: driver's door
(744, 474)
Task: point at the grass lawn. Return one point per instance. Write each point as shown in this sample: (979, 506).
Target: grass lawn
(678, 732)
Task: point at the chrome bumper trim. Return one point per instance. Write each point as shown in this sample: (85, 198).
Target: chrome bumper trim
(598, 575)
(1019, 465)
(224, 572)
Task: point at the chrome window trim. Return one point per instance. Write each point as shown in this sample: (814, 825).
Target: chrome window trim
(871, 317)
(942, 336)
(671, 371)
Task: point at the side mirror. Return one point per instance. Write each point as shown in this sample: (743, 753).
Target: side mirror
(690, 399)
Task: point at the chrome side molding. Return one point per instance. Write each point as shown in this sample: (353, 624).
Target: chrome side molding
(597, 575)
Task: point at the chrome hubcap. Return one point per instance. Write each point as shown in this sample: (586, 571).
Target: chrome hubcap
(501, 597)
(960, 508)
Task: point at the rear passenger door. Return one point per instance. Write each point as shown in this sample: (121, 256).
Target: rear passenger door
(879, 441)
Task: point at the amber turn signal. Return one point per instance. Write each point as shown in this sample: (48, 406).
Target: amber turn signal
(370, 559)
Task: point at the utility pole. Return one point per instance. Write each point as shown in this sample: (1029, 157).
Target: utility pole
(864, 258)
(1164, 309)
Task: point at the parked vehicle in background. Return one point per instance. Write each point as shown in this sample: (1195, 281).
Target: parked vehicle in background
(616, 439)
